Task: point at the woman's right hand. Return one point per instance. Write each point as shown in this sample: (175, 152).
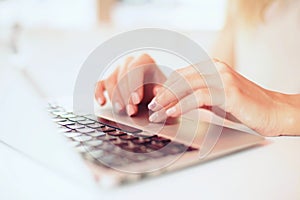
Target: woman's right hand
(131, 84)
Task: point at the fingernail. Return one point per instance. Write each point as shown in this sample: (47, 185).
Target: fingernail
(171, 111)
(153, 117)
(135, 98)
(130, 110)
(117, 107)
(152, 104)
(100, 101)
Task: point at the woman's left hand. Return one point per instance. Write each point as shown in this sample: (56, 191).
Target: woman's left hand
(187, 89)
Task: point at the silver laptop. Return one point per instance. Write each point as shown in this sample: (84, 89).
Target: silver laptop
(111, 149)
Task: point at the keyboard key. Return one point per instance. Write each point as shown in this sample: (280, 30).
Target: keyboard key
(128, 137)
(51, 111)
(161, 139)
(141, 141)
(154, 146)
(116, 133)
(67, 115)
(72, 134)
(107, 138)
(94, 142)
(64, 123)
(132, 148)
(120, 143)
(59, 113)
(86, 122)
(136, 157)
(175, 148)
(91, 117)
(116, 150)
(139, 149)
(145, 149)
(64, 130)
(110, 160)
(95, 126)
(96, 153)
(75, 126)
(146, 135)
(107, 146)
(106, 129)
(83, 148)
(59, 119)
(82, 138)
(76, 119)
(85, 130)
(96, 134)
(158, 144)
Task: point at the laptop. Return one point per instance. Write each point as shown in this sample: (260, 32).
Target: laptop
(106, 148)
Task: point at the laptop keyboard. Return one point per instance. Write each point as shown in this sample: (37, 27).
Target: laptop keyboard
(108, 143)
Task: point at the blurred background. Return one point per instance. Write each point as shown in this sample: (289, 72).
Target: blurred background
(51, 38)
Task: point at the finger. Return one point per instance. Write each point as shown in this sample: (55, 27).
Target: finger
(167, 94)
(117, 101)
(184, 87)
(122, 81)
(156, 88)
(110, 82)
(119, 88)
(176, 91)
(160, 116)
(200, 98)
(204, 68)
(131, 109)
(136, 74)
(179, 75)
(113, 91)
(99, 92)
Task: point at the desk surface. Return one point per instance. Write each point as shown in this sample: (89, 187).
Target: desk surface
(268, 172)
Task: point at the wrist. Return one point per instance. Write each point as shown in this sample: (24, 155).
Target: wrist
(288, 113)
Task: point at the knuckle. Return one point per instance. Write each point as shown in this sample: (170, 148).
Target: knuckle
(129, 59)
(228, 78)
(146, 58)
(180, 71)
(165, 95)
(185, 71)
(200, 96)
(174, 75)
(127, 64)
(222, 67)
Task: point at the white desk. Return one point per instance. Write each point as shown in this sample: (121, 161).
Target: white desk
(268, 172)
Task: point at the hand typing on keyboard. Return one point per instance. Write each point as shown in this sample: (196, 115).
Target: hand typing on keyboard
(186, 89)
(131, 84)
